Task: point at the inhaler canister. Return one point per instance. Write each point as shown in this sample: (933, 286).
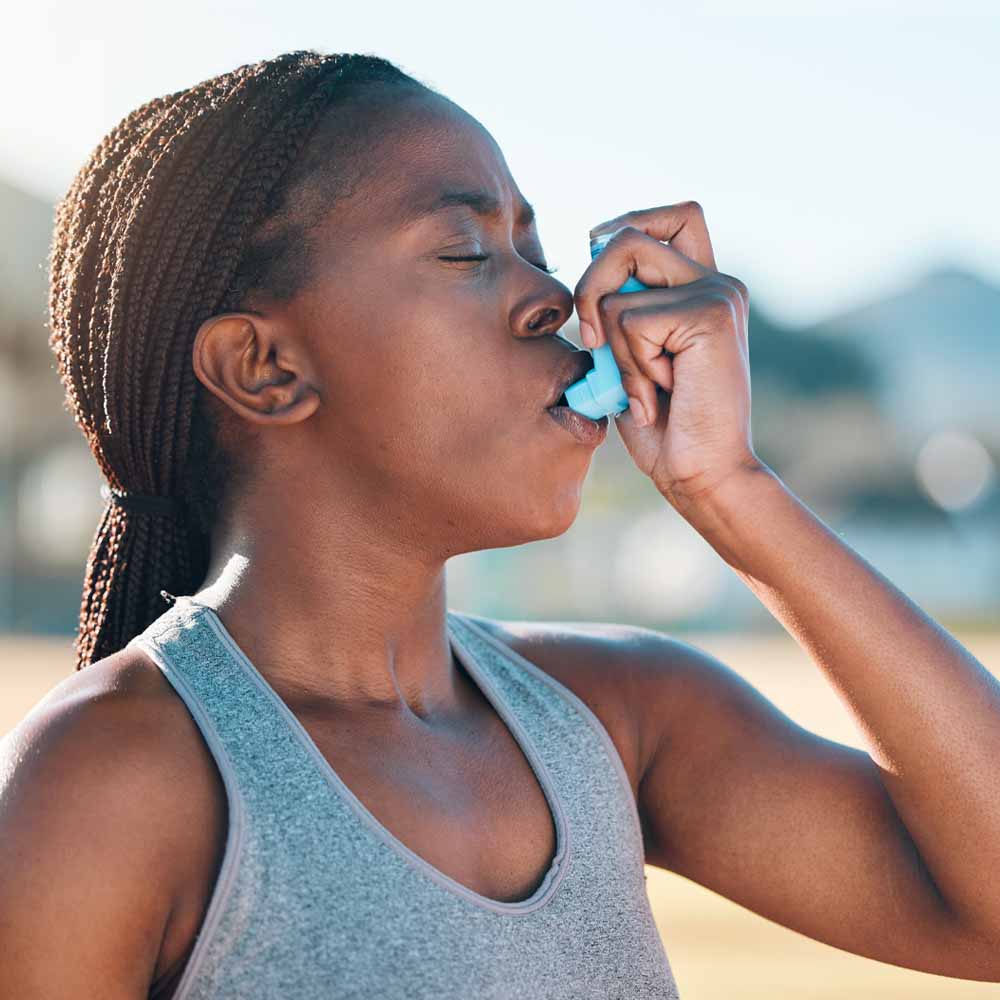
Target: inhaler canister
(600, 392)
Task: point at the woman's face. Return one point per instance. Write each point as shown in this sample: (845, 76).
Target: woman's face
(435, 374)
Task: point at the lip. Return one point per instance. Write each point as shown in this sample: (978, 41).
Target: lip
(586, 431)
(575, 364)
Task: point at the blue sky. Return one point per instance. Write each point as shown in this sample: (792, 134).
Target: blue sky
(837, 157)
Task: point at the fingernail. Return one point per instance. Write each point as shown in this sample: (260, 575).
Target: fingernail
(587, 335)
(638, 413)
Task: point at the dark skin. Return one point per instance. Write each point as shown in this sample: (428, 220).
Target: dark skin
(393, 417)
(392, 364)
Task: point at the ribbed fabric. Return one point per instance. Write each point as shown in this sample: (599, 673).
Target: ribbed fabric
(316, 899)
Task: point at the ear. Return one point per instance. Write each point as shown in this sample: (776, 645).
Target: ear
(255, 368)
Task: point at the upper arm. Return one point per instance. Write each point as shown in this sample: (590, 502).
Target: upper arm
(736, 796)
(84, 883)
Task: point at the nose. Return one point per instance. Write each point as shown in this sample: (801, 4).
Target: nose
(545, 313)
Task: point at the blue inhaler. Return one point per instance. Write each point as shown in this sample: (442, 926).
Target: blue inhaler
(600, 392)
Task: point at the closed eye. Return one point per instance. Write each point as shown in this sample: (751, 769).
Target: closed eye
(482, 257)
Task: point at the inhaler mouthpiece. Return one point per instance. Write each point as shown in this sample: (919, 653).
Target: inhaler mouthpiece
(600, 392)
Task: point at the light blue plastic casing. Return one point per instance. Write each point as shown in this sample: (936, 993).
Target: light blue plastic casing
(600, 393)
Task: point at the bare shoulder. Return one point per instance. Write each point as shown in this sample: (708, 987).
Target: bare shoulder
(108, 803)
(615, 669)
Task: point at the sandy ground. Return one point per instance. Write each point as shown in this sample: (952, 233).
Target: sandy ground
(718, 950)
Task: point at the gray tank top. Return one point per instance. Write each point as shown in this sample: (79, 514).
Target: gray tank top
(317, 900)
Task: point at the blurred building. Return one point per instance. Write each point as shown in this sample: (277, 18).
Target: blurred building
(49, 482)
(883, 420)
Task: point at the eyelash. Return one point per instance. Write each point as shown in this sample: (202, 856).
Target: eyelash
(482, 257)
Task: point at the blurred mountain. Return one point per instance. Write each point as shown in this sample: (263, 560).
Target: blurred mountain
(936, 345)
(823, 364)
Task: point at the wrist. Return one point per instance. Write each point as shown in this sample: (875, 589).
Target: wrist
(727, 512)
(709, 491)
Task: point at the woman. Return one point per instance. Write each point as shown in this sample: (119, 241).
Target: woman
(304, 319)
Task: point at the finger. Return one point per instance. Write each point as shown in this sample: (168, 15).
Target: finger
(714, 285)
(635, 382)
(628, 253)
(671, 325)
(648, 337)
(643, 329)
(743, 302)
(657, 427)
(683, 224)
(636, 313)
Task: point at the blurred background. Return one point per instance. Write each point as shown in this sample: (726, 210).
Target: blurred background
(847, 160)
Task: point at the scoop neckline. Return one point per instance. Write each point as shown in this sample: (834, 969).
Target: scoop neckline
(546, 889)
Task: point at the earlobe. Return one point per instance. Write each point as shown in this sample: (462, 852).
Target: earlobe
(256, 369)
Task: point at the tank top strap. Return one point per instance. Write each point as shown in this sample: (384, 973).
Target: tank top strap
(574, 744)
(253, 731)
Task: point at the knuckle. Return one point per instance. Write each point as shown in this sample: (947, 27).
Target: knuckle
(720, 306)
(693, 207)
(605, 304)
(627, 232)
(738, 287)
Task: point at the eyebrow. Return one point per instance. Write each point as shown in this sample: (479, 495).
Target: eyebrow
(479, 201)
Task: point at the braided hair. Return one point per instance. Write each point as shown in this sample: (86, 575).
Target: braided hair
(182, 212)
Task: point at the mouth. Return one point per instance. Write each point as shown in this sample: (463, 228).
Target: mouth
(585, 430)
(574, 366)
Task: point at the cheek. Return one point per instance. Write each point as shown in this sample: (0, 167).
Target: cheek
(421, 394)
(403, 347)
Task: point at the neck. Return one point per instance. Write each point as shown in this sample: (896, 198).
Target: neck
(335, 610)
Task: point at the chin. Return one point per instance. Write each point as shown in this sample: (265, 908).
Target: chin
(530, 504)
(556, 517)
(506, 528)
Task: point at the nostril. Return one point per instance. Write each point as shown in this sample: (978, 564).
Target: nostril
(544, 317)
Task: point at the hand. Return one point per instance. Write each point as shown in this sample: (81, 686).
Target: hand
(681, 346)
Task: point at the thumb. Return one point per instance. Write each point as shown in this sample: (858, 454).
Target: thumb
(644, 443)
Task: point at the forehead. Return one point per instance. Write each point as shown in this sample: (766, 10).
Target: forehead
(434, 160)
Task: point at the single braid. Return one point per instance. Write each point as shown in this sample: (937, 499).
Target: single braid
(180, 213)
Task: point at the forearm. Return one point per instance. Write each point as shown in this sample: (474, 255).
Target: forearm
(929, 710)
